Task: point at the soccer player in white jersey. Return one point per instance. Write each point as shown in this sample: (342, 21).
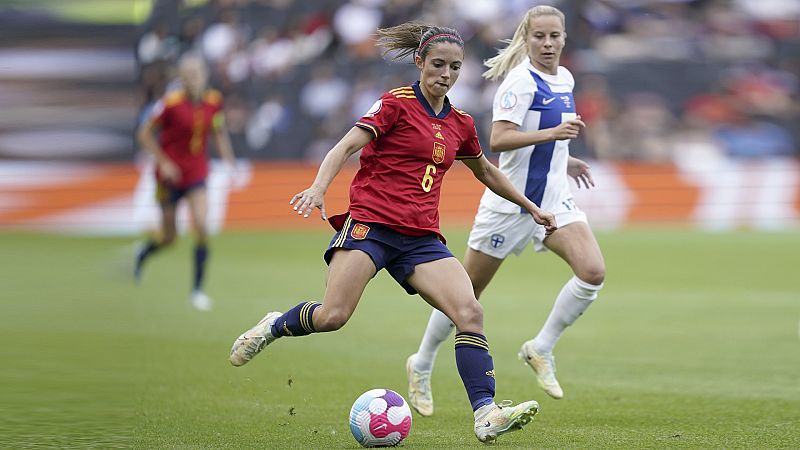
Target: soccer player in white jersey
(533, 120)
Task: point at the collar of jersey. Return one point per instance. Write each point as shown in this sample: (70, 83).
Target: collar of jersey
(424, 102)
(555, 79)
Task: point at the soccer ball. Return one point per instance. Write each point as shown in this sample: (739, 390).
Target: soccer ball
(380, 418)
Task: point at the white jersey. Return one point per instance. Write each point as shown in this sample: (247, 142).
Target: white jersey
(534, 101)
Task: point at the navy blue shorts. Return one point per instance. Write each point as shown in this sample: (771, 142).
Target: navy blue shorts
(166, 194)
(398, 253)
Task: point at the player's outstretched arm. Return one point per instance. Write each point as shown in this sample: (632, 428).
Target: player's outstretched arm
(147, 139)
(494, 179)
(224, 146)
(507, 135)
(225, 150)
(314, 197)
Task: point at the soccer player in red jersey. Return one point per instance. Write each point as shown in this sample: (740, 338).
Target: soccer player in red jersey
(184, 118)
(411, 136)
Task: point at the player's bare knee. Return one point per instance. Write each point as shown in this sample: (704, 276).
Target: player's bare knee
(167, 239)
(469, 316)
(593, 275)
(200, 233)
(330, 320)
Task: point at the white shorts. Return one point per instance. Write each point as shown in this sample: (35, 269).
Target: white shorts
(499, 234)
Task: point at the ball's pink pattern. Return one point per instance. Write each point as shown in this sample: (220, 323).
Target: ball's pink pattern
(380, 426)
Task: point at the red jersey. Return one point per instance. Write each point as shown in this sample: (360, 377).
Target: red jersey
(184, 128)
(402, 168)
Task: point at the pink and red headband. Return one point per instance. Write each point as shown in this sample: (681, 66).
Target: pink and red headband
(422, 45)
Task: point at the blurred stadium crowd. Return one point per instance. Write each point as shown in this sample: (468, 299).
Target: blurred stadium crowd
(657, 81)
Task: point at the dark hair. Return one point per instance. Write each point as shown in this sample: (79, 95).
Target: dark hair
(415, 38)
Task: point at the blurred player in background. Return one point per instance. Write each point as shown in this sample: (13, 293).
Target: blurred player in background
(533, 120)
(411, 136)
(183, 119)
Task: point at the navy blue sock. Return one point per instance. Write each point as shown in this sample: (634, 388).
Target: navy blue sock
(297, 321)
(475, 367)
(149, 248)
(200, 256)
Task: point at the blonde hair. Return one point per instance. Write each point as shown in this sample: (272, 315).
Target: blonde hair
(517, 50)
(414, 38)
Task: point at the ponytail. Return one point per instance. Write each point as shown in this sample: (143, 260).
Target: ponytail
(414, 38)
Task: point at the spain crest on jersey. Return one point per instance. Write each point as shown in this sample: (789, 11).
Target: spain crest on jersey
(438, 152)
(359, 231)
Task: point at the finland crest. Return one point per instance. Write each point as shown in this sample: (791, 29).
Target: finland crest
(438, 152)
(359, 231)
(497, 240)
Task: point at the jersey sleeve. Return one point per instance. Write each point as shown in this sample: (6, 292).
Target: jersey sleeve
(218, 120)
(514, 97)
(381, 117)
(471, 148)
(158, 112)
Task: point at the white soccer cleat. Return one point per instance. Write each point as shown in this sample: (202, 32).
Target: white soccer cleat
(200, 301)
(492, 420)
(252, 341)
(419, 389)
(544, 365)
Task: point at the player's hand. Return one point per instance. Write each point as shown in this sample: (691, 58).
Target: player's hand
(545, 219)
(569, 129)
(236, 178)
(170, 171)
(305, 202)
(579, 170)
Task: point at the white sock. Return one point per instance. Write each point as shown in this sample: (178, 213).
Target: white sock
(439, 328)
(571, 302)
(483, 411)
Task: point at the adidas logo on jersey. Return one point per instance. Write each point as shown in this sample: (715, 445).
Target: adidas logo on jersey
(439, 135)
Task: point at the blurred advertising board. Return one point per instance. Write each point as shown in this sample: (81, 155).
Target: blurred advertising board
(118, 198)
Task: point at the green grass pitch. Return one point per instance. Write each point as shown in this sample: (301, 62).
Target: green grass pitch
(693, 343)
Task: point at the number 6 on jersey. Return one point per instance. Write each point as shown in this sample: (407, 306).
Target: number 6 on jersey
(427, 179)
